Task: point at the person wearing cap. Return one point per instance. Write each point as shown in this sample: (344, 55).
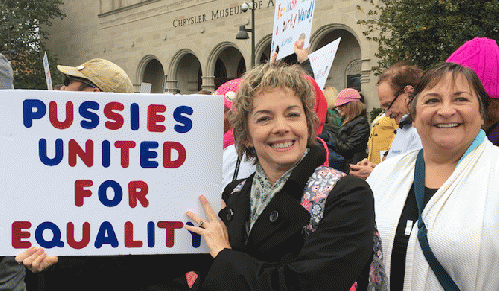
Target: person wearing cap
(350, 139)
(481, 54)
(96, 75)
(395, 86)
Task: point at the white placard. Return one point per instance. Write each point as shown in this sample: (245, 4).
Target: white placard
(145, 87)
(292, 21)
(46, 67)
(105, 174)
(322, 60)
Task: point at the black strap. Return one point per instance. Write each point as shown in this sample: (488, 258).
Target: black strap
(236, 171)
(419, 183)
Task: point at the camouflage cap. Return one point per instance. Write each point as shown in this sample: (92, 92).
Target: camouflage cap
(106, 75)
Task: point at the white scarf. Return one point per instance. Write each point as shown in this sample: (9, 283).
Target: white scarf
(462, 219)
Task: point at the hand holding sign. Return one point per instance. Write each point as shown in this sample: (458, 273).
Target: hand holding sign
(214, 231)
(301, 53)
(36, 259)
(292, 22)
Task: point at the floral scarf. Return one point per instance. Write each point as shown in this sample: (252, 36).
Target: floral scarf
(262, 191)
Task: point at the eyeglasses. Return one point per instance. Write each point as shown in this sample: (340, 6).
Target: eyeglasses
(69, 79)
(395, 99)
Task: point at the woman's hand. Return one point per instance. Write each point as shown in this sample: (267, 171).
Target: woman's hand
(213, 230)
(362, 169)
(36, 259)
(301, 53)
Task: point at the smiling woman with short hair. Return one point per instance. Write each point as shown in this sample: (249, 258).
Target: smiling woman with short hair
(436, 209)
(294, 224)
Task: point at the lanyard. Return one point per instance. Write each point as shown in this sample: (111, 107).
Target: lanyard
(419, 181)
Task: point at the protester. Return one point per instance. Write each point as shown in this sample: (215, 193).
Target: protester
(449, 189)
(481, 54)
(11, 273)
(395, 85)
(349, 140)
(268, 239)
(332, 117)
(97, 75)
(382, 133)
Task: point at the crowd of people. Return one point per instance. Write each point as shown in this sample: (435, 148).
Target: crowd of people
(315, 197)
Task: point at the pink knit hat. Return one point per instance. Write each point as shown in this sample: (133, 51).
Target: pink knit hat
(480, 54)
(347, 95)
(228, 90)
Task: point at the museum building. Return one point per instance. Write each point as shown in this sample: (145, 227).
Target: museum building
(189, 45)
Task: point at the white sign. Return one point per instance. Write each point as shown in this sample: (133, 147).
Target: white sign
(46, 67)
(322, 60)
(145, 87)
(107, 174)
(292, 21)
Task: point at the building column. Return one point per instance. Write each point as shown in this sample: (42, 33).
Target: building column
(365, 73)
(171, 86)
(208, 83)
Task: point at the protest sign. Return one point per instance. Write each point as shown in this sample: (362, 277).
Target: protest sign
(292, 21)
(145, 87)
(105, 174)
(321, 61)
(46, 68)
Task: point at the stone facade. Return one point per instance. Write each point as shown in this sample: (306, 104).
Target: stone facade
(188, 45)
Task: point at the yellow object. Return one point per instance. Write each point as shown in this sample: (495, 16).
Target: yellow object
(382, 134)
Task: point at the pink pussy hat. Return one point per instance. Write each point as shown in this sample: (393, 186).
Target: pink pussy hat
(228, 90)
(480, 54)
(347, 95)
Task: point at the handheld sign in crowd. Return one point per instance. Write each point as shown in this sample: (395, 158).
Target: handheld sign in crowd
(292, 21)
(321, 61)
(46, 68)
(106, 174)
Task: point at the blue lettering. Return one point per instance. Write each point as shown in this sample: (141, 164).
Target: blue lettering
(56, 240)
(106, 153)
(29, 114)
(150, 234)
(134, 113)
(146, 154)
(91, 116)
(186, 121)
(196, 238)
(59, 152)
(118, 193)
(106, 235)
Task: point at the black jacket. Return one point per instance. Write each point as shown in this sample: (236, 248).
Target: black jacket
(349, 140)
(275, 256)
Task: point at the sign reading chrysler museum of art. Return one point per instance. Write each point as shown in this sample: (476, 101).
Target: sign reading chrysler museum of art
(321, 61)
(106, 174)
(292, 21)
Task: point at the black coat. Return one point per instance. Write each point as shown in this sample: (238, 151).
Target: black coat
(276, 256)
(349, 140)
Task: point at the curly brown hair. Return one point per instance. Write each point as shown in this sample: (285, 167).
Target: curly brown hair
(265, 78)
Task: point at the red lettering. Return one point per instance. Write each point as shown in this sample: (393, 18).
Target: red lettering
(167, 154)
(137, 190)
(54, 118)
(86, 156)
(125, 146)
(118, 120)
(170, 227)
(81, 192)
(153, 117)
(18, 234)
(85, 237)
(129, 242)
